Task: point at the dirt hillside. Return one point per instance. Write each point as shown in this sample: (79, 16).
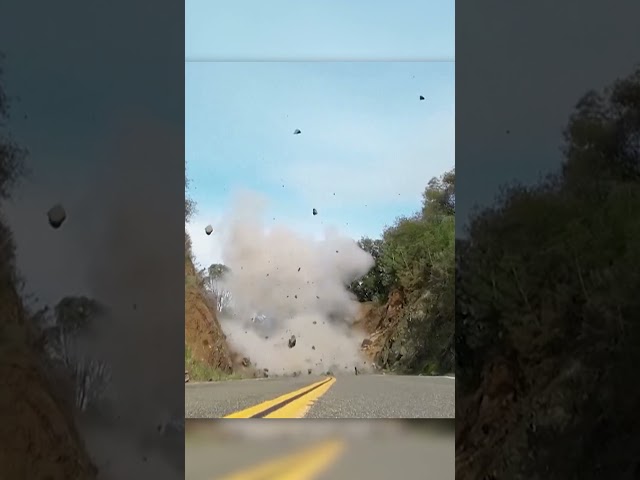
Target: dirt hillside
(38, 436)
(202, 331)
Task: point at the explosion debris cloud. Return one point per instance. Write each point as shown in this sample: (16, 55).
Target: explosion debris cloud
(298, 285)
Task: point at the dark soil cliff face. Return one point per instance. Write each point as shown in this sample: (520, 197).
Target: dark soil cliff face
(202, 331)
(38, 435)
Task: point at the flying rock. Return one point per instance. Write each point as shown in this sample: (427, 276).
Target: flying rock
(57, 216)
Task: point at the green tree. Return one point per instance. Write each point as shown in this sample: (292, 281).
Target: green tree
(374, 285)
(439, 197)
(65, 340)
(74, 314)
(12, 156)
(189, 204)
(217, 270)
(548, 278)
(12, 168)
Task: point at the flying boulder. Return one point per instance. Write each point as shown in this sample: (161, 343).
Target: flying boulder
(297, 132)
(208, 229)
(56, 216)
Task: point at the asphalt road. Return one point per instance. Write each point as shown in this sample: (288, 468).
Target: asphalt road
(406, 455)
(362, 396)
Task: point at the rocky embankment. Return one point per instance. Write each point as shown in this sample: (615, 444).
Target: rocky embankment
(392, 342)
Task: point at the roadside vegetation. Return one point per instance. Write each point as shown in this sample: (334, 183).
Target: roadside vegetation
(207, 354)
(547, 310)
(410, 289)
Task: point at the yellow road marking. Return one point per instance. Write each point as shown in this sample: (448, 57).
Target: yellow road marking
(294, 405)
(304, 465)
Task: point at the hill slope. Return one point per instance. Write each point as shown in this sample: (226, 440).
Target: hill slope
(205, 343)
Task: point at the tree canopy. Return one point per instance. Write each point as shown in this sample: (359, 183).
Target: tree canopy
(548, 278)
(416, 253)
(415, 257)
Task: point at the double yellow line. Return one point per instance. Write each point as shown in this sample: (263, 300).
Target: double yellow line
(304, 465)
(292, 405)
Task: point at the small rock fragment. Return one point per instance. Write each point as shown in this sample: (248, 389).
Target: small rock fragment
(421, 97)
(208, 229)
(292, 341)
(57, 216)
(297, 132)
(315, 212)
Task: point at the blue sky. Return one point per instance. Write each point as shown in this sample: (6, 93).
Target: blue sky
(320, 30)
(367, 150)
(256, 71)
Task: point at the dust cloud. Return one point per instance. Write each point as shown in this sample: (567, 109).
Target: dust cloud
(132, 275)
(283, 283)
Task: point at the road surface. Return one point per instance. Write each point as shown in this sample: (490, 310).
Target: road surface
(362, 396)
(377, 456)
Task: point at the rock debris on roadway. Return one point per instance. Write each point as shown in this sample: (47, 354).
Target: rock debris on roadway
(56, 215)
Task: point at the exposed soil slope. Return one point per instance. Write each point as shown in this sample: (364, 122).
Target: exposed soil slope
(202, 331)
(392, 343)
(38, 436)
